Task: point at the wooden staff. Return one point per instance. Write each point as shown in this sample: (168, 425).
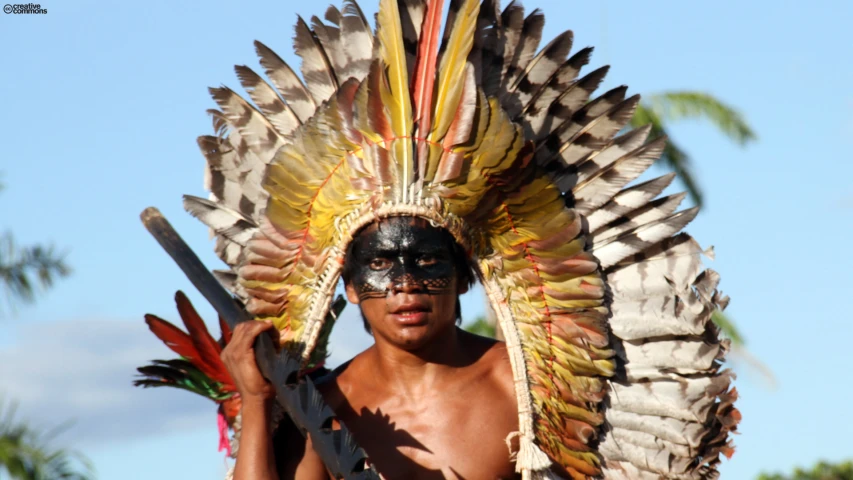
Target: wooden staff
(298, 396)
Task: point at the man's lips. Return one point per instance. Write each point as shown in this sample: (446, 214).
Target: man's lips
(409, 308)
(410, 313)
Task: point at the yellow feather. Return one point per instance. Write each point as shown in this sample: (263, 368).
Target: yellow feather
(451, 72)
(399, 102)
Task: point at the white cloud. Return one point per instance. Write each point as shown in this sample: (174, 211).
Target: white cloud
(83, 371)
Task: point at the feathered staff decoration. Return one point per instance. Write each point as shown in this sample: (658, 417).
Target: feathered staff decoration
(200, 369)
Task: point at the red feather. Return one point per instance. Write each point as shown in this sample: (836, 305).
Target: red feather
(207, 347)
(174, 338)
(424, 75)
(423, 81)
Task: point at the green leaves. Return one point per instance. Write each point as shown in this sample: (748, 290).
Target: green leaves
(481, 326)
(675, 106)
(23, 269)
(661, 109)
(26, 453)
(821, 471)
(728, 328)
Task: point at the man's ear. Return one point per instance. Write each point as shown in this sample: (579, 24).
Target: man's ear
(461, 288)
(352, 295)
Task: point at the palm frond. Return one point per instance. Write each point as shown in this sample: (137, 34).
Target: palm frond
(26, 453)
(728, 328)
(660, 110)
(673, 156)
(739, 353)
(675, 106)
(25, 269)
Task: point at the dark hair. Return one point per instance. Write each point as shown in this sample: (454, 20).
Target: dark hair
(464, 270)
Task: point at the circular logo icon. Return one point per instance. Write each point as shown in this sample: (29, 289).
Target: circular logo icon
(7, 8)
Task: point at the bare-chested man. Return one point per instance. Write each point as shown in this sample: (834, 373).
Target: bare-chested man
(426, 401)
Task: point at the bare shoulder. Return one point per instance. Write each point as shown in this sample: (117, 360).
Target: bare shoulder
(491, 359)
(338, 385)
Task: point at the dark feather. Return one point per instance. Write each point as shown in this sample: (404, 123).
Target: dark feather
(181, 374)
(259, 134)
(517, 60)
(412, 17)
(267, 100)
(550, 148)
(602, 186)
(233, 225)
(329, 36)
(535, 112)
(594, 135)
(614, 150)
(452, 12)
(576, 96)
(612, 250)
(491, 50)
(357, 40)
(287, 82)
(650, 212)
(511, 25)
(317, 70)
(539, 71)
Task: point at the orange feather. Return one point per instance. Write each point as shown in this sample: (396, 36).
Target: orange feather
(207, 347)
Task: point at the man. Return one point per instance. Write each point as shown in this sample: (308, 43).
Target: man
(505, 150)
(427, 400)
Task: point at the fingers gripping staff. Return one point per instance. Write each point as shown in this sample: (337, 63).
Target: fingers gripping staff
(498, 142)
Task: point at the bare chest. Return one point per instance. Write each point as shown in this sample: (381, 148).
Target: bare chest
(454, 435)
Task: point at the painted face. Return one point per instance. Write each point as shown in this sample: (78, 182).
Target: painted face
(402, 254)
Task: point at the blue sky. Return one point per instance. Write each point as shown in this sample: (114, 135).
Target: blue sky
(99, 111)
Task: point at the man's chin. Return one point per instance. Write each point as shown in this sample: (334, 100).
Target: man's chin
(409, 337)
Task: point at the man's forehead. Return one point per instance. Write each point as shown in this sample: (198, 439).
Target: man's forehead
(404, 234)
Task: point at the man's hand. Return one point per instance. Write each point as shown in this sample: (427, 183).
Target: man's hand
(239, 359)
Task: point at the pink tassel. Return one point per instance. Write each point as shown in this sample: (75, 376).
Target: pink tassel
(224, 442)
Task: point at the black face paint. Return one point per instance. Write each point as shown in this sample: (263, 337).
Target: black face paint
(402, 254)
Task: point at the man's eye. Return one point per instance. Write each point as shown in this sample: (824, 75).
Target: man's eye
(427, 261)
(379, 264)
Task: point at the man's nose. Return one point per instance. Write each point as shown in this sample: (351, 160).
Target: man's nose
(406, 283)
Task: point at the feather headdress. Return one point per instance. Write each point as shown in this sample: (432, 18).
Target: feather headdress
(600, 298)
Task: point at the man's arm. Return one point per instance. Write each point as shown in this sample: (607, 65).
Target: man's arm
(255, 458)
(294, 455)
(259, 451)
